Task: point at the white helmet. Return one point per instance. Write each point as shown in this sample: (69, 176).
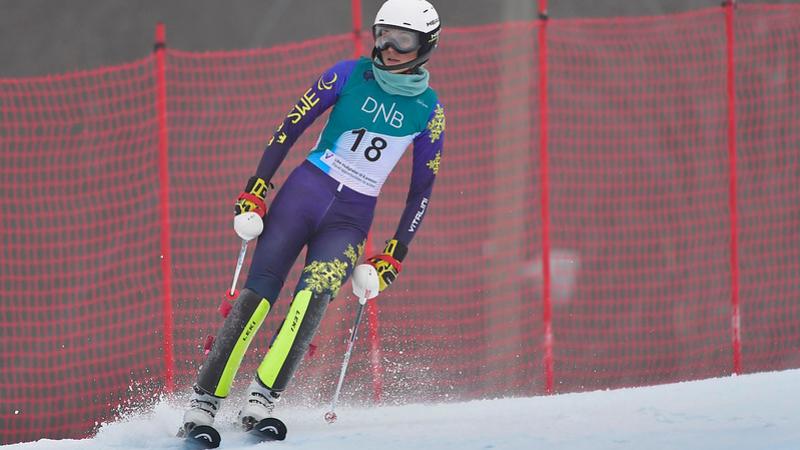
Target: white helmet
(406, 25)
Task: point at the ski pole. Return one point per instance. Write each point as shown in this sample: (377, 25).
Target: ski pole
(365, 286)
(330, 416)
(225, 306)
(248, 226)
(239, 264)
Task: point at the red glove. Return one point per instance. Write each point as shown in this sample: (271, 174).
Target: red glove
(388, 264)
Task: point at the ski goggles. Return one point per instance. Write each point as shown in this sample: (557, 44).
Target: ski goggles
(400, 39)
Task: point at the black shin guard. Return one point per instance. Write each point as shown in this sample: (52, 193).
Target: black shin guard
(293, 339)
(248, 313)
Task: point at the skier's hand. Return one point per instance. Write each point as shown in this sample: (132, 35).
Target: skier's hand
(250, 208)
(388, 264)
(252, 198)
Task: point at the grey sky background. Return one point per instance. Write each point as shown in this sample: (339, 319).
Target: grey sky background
(39, 37)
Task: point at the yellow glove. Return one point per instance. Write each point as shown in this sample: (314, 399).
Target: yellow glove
(388, 264)
(252, 199)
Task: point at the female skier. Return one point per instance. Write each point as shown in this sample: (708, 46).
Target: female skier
(380, 106)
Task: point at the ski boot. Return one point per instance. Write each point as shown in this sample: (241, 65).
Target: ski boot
(202, 409)
(256, 416)
(260, 404)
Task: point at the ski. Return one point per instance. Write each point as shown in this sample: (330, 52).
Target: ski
(269, 429)
(201, 436)
(204, 436)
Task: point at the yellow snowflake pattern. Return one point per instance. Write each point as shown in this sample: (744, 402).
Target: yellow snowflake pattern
(437, 123)
(354, 253)
(434, 163)
(325, 276)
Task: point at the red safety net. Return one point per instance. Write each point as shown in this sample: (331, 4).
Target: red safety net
(81, 328)
(646, 242)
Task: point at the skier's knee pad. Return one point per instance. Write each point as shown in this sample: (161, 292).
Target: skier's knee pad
(293, 339)
(234, 337)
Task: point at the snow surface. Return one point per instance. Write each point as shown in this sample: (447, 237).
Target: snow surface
(752, 412)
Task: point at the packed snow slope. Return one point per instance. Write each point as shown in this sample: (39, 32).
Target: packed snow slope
(750, 412)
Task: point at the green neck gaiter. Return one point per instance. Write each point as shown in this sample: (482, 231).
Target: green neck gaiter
(405, 84)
